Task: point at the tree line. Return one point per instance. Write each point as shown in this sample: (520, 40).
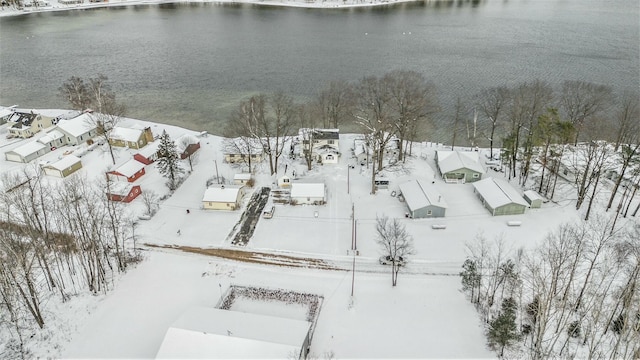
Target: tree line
(55, 241)
(574, 296)
(523, 124)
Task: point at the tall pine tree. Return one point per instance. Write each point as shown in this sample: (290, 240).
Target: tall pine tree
(503, 330)
(169, 161)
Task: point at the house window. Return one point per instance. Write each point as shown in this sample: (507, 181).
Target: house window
(429, 212)
(476, 175)
(330, 141)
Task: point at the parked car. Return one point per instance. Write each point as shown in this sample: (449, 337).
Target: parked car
(268, 212)
(387, 260)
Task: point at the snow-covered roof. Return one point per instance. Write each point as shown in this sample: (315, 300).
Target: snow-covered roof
(242, 176)
(125, 134)
(150, 149)
(185, 140)
(454, 160)
(51, 136)
(307, 190)
(119, 188)
(419, 194)
(129, 168)
(224, 194)
(4, 112)
(497, 192)
(64, 163)
(532, 195)
(210, 333)
(79, 125)
(29, 148)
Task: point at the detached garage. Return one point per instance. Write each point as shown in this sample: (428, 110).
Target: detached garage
(63, 167)
(225, 197)
(422, 200)
(499, 197)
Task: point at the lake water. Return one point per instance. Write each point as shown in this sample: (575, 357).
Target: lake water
(190, 64)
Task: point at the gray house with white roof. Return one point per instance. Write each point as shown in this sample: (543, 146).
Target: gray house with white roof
(499, 197)
(459, 166)
(422, 199)
(27, 152)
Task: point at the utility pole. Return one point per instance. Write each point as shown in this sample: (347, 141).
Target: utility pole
(217, 174)
(353, 228)
(353, 274)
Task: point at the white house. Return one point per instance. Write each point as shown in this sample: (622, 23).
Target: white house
(79, 129)
(324, 144)
(304, 193)
(210, 333)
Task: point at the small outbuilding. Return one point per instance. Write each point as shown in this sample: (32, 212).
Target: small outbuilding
(308, 193)
(284, 182)
(422, 199)
(187, 145)
(499, 197)
(123, 191)
(224, 197)
(63, 167)
(242, 179)
(148, 154)
(210, 333)
(130, 171)
(459, 166)
(533, 198)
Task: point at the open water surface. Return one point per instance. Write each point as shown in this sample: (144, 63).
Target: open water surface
(190, 64)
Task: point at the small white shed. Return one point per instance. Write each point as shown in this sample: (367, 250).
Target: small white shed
(312, 193)
(533, 198)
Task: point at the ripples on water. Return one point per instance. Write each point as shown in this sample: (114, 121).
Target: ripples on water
(190, 64)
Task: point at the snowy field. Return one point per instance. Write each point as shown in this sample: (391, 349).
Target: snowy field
(425, 316)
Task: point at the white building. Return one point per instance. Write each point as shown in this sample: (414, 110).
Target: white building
(210, 333)
(302, 193)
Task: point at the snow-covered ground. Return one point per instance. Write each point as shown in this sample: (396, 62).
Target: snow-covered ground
(425, 316)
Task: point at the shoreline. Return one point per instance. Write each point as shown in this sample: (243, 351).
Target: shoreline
(54, 5)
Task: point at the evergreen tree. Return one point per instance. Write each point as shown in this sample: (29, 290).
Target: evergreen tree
(503, 329)
(471, 279)
(169, 161)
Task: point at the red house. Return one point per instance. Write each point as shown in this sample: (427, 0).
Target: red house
(129, 171)
(148, 154)
(123, 192)
(187, 145)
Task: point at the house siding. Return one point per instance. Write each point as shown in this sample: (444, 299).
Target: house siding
(509, 209)
(436, 211)
(467, 174)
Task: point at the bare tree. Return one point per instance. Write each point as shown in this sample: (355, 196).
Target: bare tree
(150, 201)
(581, 101)
(76, 92)
(492, 104)
(278, 127)
(627, 120)
(96, 93)
(395, 242)
(373, 113)
(412, 99)
(458, 113)
(334, 104)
